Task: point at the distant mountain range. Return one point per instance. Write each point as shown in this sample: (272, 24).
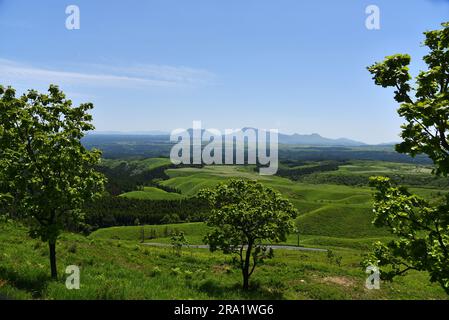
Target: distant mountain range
(300, 139)
(317, 140)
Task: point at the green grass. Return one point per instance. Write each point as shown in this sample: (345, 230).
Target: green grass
(194, 232)
(339, 221)
(116, 266)
(153, 163)
(326, 210)
(118, 269)
(152, 193)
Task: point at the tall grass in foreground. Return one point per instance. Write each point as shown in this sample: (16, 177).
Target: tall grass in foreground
(117, 269)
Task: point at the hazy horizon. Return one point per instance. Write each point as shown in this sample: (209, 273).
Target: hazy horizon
(299, 67)
(167, 132)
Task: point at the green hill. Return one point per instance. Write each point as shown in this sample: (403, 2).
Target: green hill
(152, 193)
(326, 210)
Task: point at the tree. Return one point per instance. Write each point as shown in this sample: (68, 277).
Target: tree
(421, 226)
(244, 216)
(46, 173)
(178, 240)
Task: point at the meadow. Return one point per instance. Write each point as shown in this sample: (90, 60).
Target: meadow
(116, 264)
(125, 269)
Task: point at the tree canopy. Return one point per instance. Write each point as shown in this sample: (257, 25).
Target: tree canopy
(46, 173)
(245, 216)
(421, 226)
(424, 104)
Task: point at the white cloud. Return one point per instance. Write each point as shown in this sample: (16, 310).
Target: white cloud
(170, 74)
(104, 75)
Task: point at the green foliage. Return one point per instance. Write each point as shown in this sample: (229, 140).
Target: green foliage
(44, 168)
(178, 240)
(295, 173)
(333, 258)
(244, 214)
(127, 176)
(422, 231)
(170, 219)
(122, 211)
(427, 113)
(422, 228)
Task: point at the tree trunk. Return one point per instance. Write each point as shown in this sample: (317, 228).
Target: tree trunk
(245, 269)
(54, 270)
(245, 281)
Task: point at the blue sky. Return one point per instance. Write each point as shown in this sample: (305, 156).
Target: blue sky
(298, 66)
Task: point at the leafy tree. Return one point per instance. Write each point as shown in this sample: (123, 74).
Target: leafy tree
(45, 171)
(421, 230)
(178, 240)
(421, 227)
(244, 215)
(427, 112)
(171, 218)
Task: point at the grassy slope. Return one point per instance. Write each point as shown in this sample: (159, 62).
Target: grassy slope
(194, 232)
(132, 271)
(148, 193)
(152, 193)
(326, 210)
(331, 216)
